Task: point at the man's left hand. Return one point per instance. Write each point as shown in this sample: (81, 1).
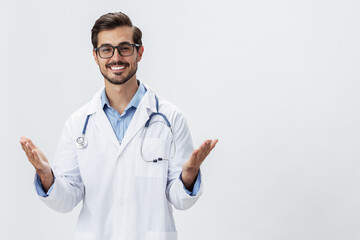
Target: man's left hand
(192, 165)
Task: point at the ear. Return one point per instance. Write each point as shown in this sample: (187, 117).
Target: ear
(96, 57)
(140, 53)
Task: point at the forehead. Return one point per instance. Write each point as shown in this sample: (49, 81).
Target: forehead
(115, 36)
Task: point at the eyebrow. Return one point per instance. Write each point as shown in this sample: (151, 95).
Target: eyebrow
(108, 44)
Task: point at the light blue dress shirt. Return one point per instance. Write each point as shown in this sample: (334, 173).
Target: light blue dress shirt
(120, 123)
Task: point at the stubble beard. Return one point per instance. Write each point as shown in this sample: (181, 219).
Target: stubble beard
(121, 81)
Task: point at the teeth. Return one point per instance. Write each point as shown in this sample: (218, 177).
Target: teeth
(117, 68)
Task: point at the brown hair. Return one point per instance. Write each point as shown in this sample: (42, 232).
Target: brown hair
(113, 20)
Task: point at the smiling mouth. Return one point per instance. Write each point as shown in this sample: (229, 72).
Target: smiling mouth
(117, 67)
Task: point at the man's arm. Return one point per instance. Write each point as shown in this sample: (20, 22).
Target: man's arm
(38, 159)
(186, 161)
(192, 166)
(62, 182)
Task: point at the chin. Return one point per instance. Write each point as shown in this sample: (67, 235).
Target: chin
(117, 81)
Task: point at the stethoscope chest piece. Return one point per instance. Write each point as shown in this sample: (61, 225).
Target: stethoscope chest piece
(81, 142)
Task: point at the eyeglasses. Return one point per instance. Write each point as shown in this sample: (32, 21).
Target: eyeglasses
(124, 49)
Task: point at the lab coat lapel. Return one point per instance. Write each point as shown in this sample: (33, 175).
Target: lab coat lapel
(102, 123)
(104, 127)
(143, 111)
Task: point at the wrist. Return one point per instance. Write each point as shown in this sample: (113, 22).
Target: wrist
(188, 177)
(44, 173)
(46, 178)
(191, 170)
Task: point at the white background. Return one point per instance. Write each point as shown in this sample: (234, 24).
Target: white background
(277, 82)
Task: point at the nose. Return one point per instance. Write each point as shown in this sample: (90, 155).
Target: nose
(116, 55)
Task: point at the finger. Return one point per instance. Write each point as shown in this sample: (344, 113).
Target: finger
(26, 146)
(30, 152)
(25, 150)
(195, 153)
(193, 157)
(203, 152)
(213, 143)
(22, 144)
(204, 145)
(29, 145)
(36, 155)
(207, 146)
(32, 145)
(24, 139)
(208, 149)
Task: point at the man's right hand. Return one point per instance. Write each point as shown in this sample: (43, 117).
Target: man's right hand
(39, 161)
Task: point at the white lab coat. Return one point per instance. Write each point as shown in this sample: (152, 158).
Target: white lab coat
(124, 197)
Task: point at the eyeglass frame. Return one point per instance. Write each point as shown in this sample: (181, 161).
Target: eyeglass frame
(118, 48)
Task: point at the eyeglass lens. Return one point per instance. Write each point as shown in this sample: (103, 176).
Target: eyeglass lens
(125, 49)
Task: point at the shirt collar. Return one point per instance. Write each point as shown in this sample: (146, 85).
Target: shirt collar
(135, 101)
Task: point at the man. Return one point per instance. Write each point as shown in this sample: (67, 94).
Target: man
(127, 177)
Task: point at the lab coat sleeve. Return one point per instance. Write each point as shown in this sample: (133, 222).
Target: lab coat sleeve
(175, 190)
(68, 188)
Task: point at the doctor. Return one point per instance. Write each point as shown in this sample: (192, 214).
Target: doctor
(124, 195)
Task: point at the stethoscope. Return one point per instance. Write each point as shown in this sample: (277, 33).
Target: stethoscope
(81, 142)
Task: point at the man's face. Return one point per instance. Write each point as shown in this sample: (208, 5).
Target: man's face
(118, 69)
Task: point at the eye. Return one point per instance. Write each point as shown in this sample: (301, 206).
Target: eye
(105, 49)
(125, 48)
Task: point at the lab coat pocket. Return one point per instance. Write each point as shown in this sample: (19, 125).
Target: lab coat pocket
(153, 148)
(161, 236)
(84, 236)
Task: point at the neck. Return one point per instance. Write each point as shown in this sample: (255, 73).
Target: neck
(120, 95)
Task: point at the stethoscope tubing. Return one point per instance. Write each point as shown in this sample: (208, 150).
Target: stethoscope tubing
(81, 141)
